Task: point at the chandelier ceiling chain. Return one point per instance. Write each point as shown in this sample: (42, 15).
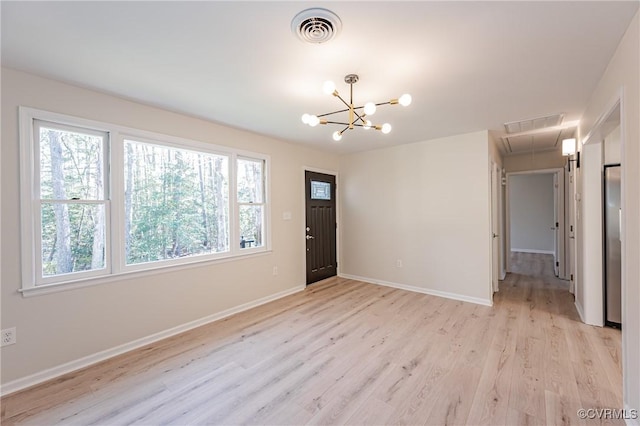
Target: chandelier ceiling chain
(357, 118)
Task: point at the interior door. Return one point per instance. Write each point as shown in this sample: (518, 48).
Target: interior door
(555, 225)
(571, 226)
(320, 190)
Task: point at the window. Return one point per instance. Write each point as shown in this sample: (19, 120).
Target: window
(71, 203)
(251, 202)
(99, 201)
(176, 203)
(320, 190)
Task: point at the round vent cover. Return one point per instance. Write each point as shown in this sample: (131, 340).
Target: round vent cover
(316, 25)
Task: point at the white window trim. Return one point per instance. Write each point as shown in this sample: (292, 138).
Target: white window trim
(115, 204)
(37, 201)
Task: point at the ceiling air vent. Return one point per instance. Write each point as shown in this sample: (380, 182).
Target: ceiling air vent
(316, 25)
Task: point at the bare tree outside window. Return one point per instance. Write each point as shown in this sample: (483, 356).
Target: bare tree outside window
(176, 203)
(251, 202)
(98, 201)
(72, 201)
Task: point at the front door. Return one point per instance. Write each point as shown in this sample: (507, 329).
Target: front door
(320, 190)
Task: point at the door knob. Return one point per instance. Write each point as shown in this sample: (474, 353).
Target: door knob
(495, 235)
(309, 237)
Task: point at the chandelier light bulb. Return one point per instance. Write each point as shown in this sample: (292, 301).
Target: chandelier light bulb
(386, 128)
(366, 125)
(328, 87)
(313, 121)
(369, 108)
(337, 136)
(305, 118)
(405, 100)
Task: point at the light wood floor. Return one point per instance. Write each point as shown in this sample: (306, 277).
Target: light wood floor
(344, 351)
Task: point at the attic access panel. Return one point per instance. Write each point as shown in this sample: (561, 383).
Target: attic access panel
(546, 141)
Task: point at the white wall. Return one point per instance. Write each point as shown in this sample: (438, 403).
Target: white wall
(590, 299)
(494, 148)
(531, 209)
(425, 204)
(54, 329)
(622, 77)
(539, 161)
(612, 148)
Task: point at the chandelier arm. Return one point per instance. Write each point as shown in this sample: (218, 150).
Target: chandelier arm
(359, 117)
(334, 112)
(345, 110)
(345, 124)
(343, 101)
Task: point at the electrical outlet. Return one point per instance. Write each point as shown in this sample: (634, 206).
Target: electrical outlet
(8, 336)
(398, 263)
(275, 270)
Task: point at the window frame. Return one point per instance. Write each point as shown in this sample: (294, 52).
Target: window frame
(38, 202)
(239, 204)
(114, 188)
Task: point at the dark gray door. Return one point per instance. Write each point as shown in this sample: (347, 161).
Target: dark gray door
(320, 226)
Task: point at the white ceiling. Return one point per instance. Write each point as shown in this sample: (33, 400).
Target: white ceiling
(468, 65)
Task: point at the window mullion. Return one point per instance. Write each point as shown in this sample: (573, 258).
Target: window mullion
(234, 212)
(116, 195)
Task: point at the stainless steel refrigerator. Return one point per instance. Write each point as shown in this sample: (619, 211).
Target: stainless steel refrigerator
(612, 247)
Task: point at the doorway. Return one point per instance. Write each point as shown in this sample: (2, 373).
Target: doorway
(536, 216)
(320, 226)
(496, 226)
(603, 146)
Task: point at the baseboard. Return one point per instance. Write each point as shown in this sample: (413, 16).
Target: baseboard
(580, 311)
(69, 367)
(430, 292)
(532, 251)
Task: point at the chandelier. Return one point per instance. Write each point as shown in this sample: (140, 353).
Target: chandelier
(357, 114)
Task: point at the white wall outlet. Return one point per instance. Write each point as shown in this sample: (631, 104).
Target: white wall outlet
(286, 216)
(8, 336)
(399, 263)
(275, 270)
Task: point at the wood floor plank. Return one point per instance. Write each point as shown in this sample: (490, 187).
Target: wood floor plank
(561, 409)
(349, 352)
(375, 412)
(491, 399)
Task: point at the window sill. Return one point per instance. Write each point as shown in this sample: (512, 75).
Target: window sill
(88, 282)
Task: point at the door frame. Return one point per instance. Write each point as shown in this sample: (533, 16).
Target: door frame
(589, 285)
(495, 213)
(559, 207)
(303, 222)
